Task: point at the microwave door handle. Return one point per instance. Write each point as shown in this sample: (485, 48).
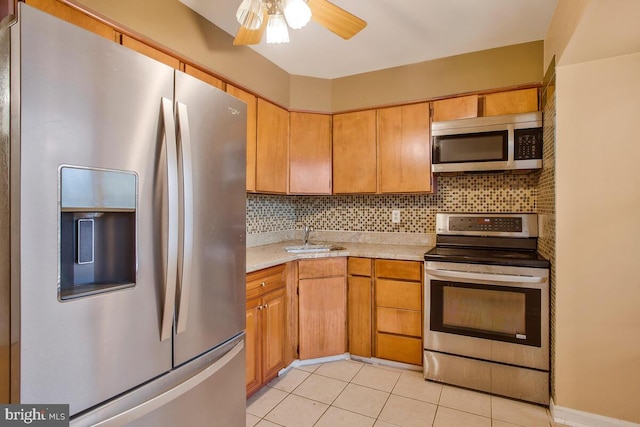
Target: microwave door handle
(171, 243)
(510, 145)
(504, 278)
(186, 240)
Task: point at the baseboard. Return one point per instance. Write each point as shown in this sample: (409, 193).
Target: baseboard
(575, 418)
(388, 363)
(315, 361)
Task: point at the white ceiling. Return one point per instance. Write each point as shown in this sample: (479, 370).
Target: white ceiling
(399, 32)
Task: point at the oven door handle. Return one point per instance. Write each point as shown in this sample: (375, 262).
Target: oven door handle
(505, 278)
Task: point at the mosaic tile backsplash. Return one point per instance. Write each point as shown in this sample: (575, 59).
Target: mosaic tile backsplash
(547, 205)
(496, 192)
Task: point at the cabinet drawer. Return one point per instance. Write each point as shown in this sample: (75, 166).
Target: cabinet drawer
(359, 266)
(396, 294)
(403, 270)
(401, 349)
(266, 280)
(396, 321)
(328, 267)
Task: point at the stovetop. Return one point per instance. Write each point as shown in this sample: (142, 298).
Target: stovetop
(508, 239)
(515, 258)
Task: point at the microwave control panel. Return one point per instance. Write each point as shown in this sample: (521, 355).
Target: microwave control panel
(527, 144)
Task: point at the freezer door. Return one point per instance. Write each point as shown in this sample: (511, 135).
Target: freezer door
(208, 391)
(86, 102)
(211, 150)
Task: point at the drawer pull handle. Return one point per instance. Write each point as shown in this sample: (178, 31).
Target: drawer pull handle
(263, 284)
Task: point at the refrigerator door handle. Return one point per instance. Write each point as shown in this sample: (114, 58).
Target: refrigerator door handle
(186, 238)
(171, 394)
(171, 242)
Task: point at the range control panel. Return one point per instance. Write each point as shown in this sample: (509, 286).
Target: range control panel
(527, 144)
(488, 223)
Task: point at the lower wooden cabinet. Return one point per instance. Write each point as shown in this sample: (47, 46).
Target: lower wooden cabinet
(266, 326)
(359, 305)
(398, 310)
(322, 303)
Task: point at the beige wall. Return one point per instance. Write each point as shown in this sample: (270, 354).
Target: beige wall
(310, 94)
(566, 18)
(184, 32)
(597, 322)
(598, 237)
(476, 71)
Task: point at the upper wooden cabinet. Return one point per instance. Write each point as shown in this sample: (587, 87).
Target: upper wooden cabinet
(75, 17)
(404, 149)
(252, 114)
(511, 102)
(272, 148)
(151, 52)
(310, 153)
(204, 76)
(354, 152)
(462, 107)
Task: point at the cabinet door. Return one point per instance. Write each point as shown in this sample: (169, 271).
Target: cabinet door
(272, 149)
(404, 149)
(254, 359)
(151, 52)
(323, 312)
(359, 315)
(252, 114)
(511, 102)
(354, 152)
(462, 107)
(273, 318)
(204, 76)
(74, 16)
(310, 154)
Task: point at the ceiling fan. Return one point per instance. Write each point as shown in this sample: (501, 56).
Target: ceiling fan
(274, 16)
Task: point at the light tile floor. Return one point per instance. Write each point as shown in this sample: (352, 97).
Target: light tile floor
(349, 393)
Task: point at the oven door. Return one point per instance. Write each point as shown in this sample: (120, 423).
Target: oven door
(493, 313)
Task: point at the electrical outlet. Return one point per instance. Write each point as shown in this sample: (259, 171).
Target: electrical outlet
(395, 216)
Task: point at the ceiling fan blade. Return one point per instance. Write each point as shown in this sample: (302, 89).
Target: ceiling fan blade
(245, 36)
(335, 19)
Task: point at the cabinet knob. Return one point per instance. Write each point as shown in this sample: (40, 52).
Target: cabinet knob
(263, 284)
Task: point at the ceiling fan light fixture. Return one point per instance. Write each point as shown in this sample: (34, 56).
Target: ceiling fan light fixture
(297, 13)
(277, 31)
(249, 14)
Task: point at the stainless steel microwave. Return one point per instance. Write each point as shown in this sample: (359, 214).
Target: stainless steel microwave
(498, 143)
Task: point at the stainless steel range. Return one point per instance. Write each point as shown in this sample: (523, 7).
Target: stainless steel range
(486, 324)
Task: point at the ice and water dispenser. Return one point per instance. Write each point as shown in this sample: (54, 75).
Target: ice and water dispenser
(97, 231)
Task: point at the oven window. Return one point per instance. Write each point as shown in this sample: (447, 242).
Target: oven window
(486, 311)
(477, 147)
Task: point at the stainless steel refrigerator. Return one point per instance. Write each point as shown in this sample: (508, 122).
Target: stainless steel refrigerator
(126, 202)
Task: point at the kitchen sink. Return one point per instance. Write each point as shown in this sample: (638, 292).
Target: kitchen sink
(310, 247)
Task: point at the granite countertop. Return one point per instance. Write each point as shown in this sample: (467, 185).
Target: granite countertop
(268, 255)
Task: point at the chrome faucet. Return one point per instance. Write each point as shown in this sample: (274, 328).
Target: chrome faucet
(307, 229)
